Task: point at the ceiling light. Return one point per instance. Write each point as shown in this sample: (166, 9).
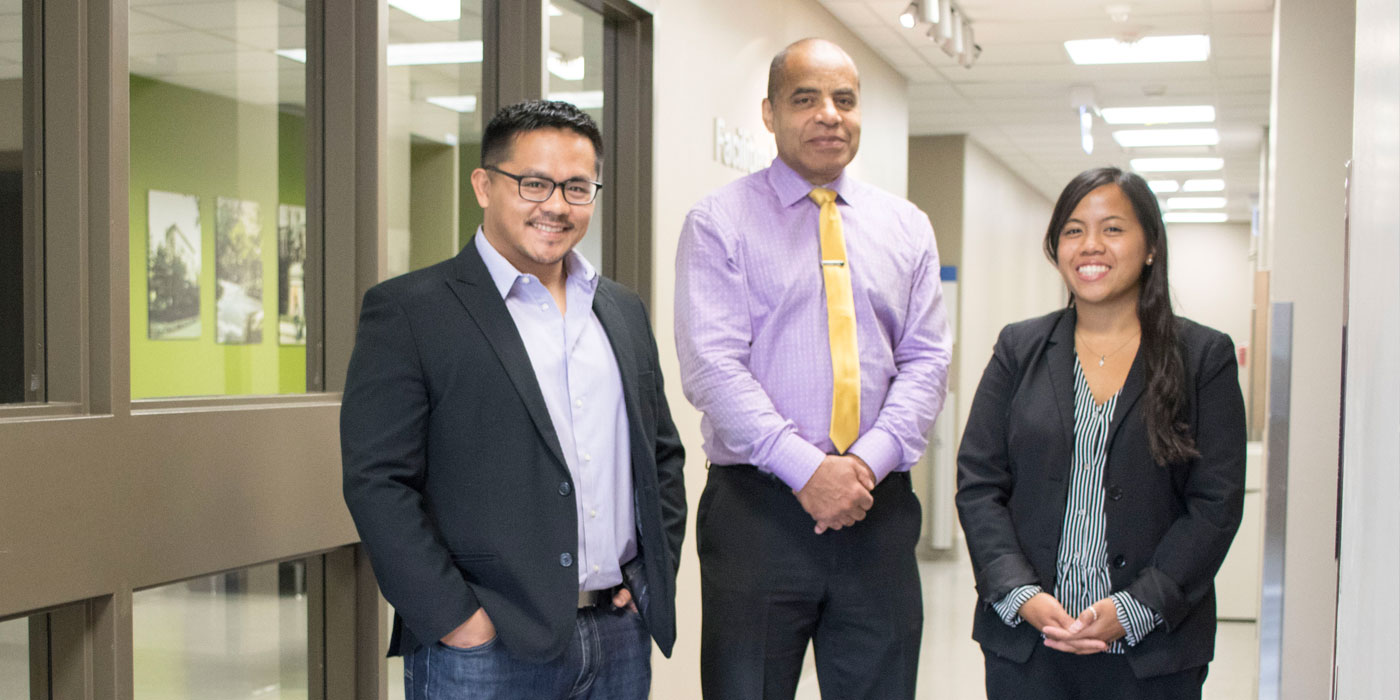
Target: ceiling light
(430, 10)
(554, 11)
(1196, 203)
(1151, 49)
(588, 99)
(566, 69)
(1163, 186)
(1158, 115)
(298, 55)
(456, 103)
(1176, 165)
(1195, 217)
(1203, 186)
(1086, 130)
(1149, 138)
(434, 52)
(907, 19)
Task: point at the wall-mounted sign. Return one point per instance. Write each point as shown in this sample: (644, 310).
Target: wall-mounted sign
(738, 148)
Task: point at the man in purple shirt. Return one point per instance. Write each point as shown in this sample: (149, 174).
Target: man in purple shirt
(509, 457)
(801, 539)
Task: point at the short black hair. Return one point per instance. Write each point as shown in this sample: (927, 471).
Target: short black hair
(532, 115)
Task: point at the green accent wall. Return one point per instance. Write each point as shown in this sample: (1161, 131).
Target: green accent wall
(196, 143)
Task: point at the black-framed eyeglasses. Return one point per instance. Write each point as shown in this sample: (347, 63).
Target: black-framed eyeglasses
(539, 189)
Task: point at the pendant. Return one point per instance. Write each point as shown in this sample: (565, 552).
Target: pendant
(1101, 359)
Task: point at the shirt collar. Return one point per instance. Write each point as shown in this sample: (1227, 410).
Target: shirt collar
(792, 188)
(504, 275)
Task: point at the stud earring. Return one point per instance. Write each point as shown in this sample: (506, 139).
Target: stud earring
(1149, 260)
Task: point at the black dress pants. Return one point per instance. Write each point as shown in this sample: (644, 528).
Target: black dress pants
(769, 585)
(1055, 675)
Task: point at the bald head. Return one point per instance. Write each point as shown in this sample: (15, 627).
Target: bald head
(778, 69)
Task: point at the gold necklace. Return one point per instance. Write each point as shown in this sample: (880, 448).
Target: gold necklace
(1103, 357)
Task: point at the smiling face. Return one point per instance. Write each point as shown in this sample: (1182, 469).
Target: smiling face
(1102, 249)
(814, 113)
(535, 236)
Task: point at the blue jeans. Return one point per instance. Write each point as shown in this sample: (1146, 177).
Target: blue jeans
(609, 658)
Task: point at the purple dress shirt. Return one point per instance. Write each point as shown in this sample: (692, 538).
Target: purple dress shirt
(582, 387)
(751, 324)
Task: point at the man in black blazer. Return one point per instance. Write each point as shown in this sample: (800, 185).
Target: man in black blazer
(509, 457)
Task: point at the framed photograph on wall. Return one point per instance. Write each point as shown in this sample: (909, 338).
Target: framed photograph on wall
(291, 274)
(173, 265)
(238, 272)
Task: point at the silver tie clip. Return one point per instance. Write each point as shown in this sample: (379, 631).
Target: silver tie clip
(833, 263)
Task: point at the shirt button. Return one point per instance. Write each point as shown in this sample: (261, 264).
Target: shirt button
(578, 402)
(524, 279)
(1115, 493)
(566, 560)
(565, 488)
(592, 513)
(544, 307)
(1082, 511)
(1119, 562)
(595, 568)
(587, 457)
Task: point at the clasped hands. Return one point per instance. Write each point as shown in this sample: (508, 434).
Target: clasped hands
(838, 494)
(1090, 633)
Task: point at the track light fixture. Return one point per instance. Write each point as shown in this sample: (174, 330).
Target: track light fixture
(948, 26)
(909, 17)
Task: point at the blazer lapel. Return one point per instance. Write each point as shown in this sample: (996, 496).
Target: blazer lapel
(619, 337)
(477, 292)
(1059, 355)
(1132, 390)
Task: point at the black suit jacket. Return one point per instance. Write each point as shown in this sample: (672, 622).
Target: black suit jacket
(1168, 528)
(454, 474)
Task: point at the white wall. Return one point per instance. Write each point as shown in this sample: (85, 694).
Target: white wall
(1005, 276)
(711, 60)
(1368, 617)
(1310, 142)
(1212, 279)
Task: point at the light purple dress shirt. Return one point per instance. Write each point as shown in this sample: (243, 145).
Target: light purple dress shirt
(751, 324)
(582, 386)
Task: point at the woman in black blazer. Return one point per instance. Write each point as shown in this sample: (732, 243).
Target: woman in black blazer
(1101, 472)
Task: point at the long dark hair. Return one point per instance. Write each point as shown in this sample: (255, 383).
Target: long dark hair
(1168, 435)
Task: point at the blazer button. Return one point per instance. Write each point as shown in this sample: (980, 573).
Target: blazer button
(1119, 562)
(567, 560)
(1115, 493)
(565, 489)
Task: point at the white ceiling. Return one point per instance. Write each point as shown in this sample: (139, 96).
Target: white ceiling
(1015, 101)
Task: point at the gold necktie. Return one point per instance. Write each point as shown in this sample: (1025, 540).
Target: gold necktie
(841, 324)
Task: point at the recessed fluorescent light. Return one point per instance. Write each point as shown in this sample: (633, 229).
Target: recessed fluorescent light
(588, 99)
(1203, 186)
(430, 10)
(1150, 138)
(1158, 115)
(1176, 165)
(1195, 217)
(1163, 186)
(554, 11)
(434, 52)
(1150, 49)
(565, 69)
(456, 103)
(427, 53)
(1196, 203)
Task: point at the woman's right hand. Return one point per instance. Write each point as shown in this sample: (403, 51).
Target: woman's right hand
(1043, 611)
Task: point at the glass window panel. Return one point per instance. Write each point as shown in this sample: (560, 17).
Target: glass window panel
(224, 637)
(14, 658)
(15, 240)
(574, 34)
(218, 197)
(434, 129)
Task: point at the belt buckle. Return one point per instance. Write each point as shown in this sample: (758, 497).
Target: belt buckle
(591, 599)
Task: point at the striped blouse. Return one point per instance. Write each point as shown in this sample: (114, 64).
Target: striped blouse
(1082, 576)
